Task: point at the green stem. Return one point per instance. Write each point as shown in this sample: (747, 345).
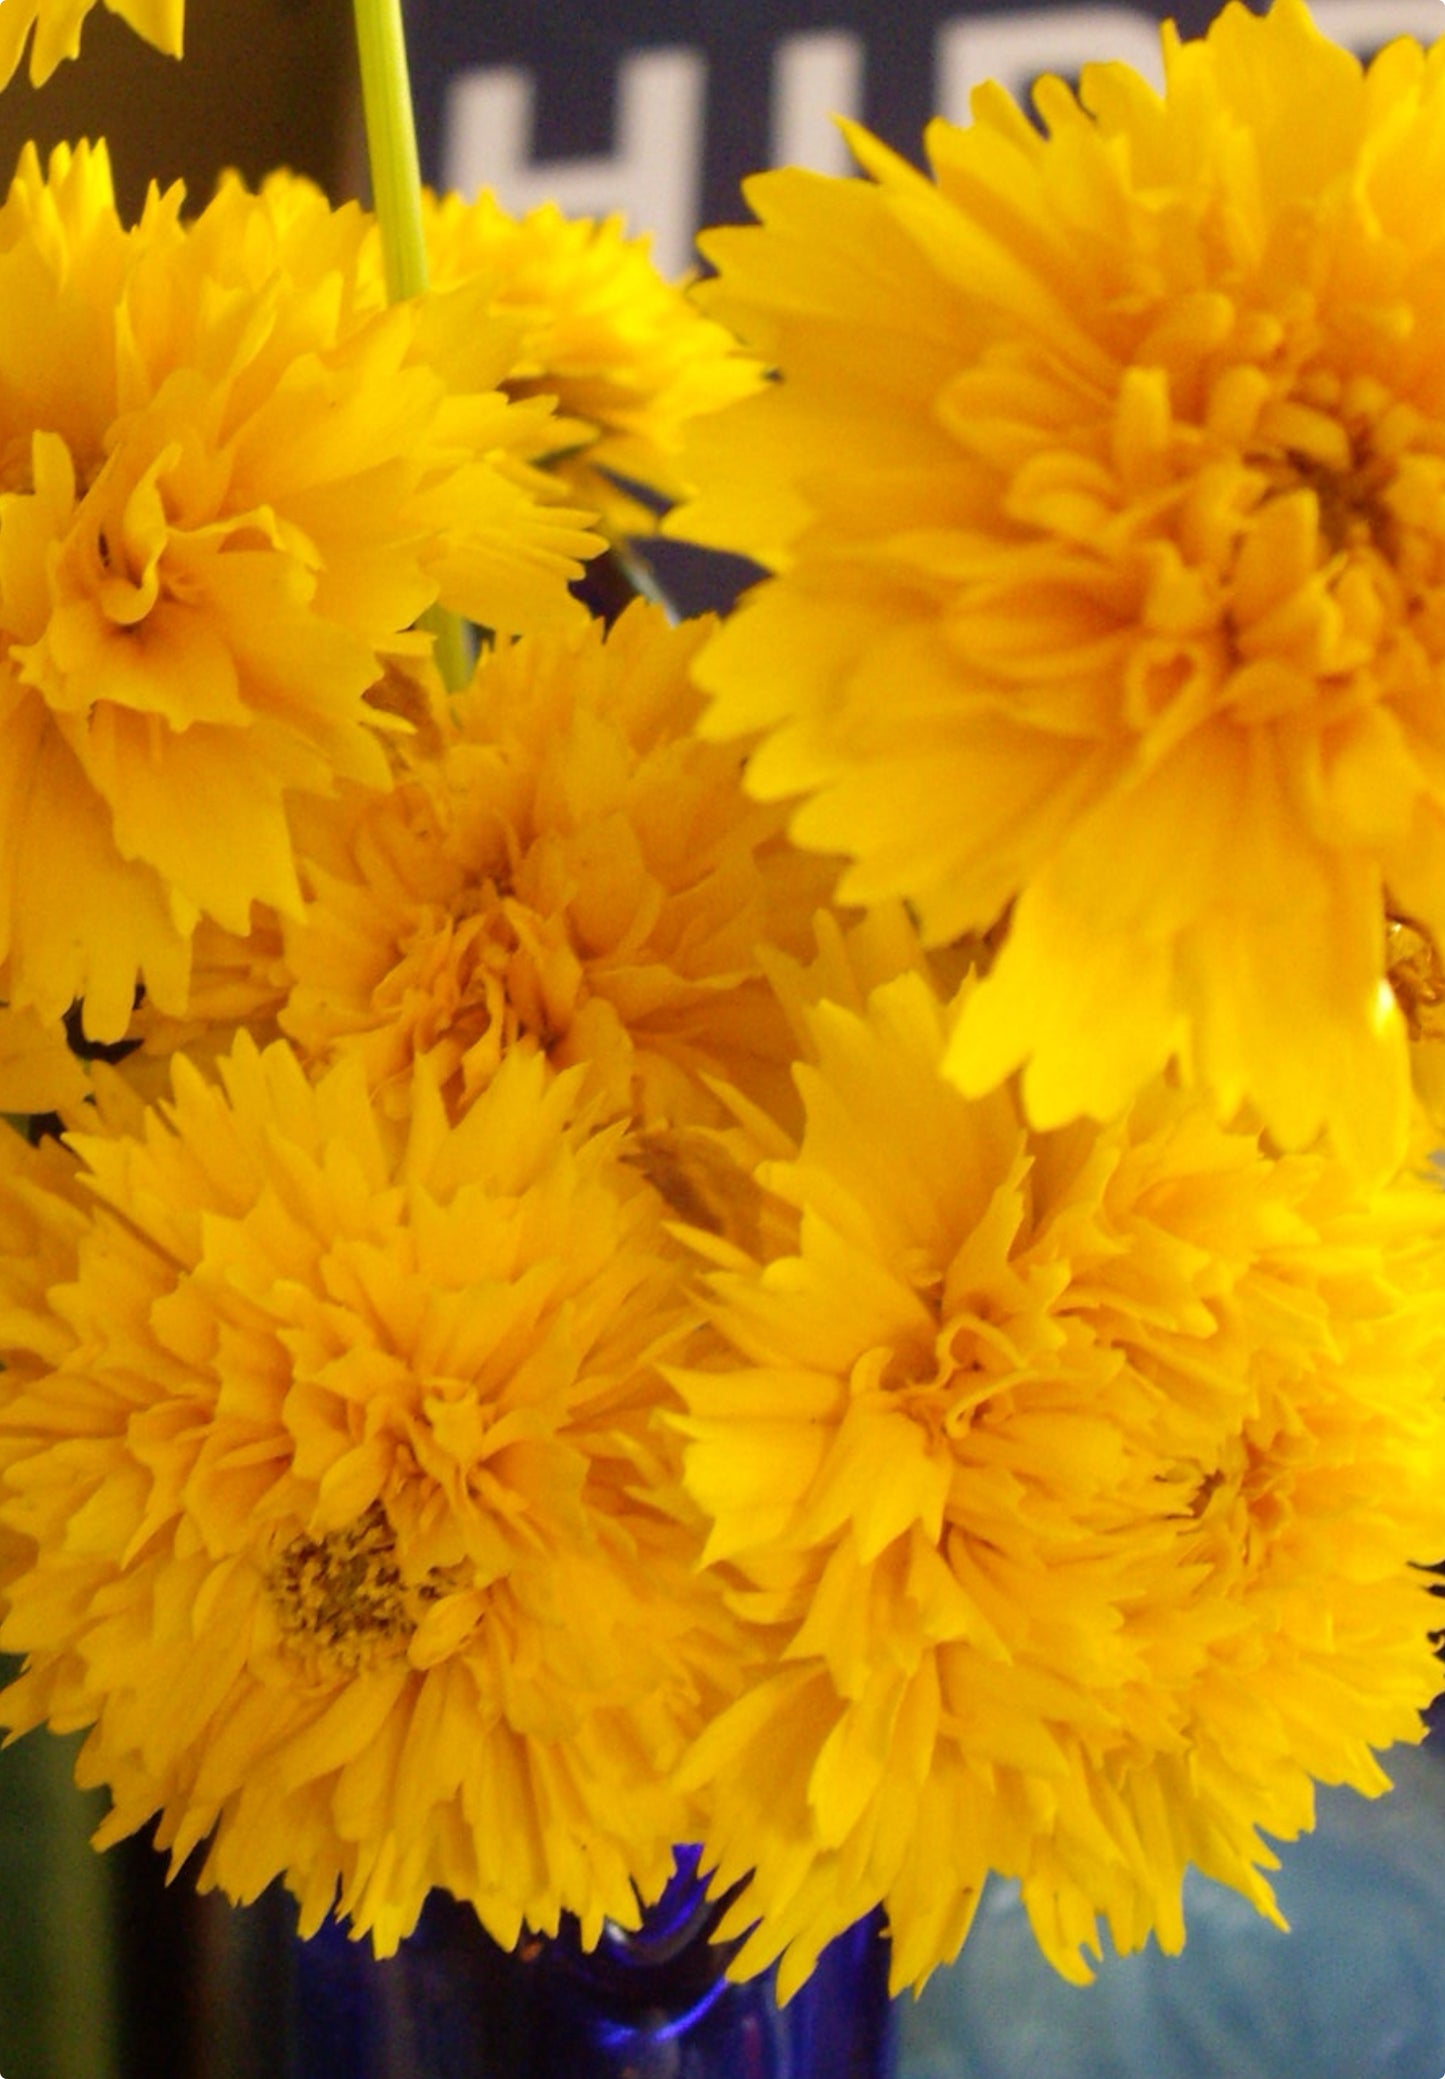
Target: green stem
(391, 144)
(396, 197)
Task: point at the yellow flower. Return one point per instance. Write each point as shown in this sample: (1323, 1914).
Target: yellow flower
(1071, 1485)
(227, 490)
(350, 1532)
(57, 25)
(571, 870)
(628, 357)
(1103, 481)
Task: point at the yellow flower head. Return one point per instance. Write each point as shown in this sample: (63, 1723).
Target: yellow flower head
(349, 1530)
(1103, 480)
(1071, 1483)
(628, 357)
(227, 489)
(571, 869)
(57, 25)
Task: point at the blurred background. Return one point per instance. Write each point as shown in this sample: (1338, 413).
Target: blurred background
(657, 108)
(264, 83)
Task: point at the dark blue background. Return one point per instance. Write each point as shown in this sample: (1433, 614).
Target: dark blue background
(574, 46)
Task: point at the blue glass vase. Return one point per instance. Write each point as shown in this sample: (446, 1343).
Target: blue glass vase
(652, 2005)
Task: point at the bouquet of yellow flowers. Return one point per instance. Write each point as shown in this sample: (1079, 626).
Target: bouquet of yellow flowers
(811, 1233)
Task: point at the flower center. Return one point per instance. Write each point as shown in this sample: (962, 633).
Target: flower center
(342, 1596)
(488, 969)
(1353, 514)
(1344, 443)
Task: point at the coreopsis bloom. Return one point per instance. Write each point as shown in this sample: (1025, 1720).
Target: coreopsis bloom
(349, 1531)
(228, 487)
(628, 357)
(568, 869)
(1071, 1484)
(1102, 483)
(57, 25)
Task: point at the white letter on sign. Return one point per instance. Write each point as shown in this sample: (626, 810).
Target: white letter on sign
(816, 75)
(653, 177)
(1369, 25)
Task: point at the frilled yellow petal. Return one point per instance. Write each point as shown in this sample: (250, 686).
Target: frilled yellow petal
(38, 1072)
(1077, 1489)
(1101, 480)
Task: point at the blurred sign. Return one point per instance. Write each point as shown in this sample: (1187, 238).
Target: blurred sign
(658, 108)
